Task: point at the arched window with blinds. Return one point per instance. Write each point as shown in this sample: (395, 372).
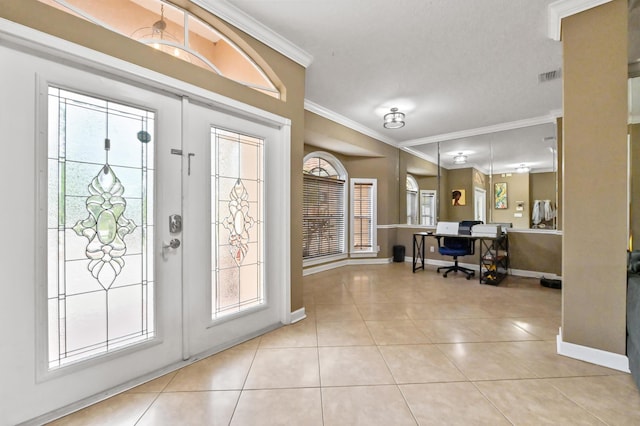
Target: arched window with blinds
(324, 207)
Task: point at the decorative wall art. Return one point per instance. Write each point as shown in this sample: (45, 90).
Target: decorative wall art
(458, 197)
(500, 191)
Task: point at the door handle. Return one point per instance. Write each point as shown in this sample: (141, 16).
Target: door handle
(173, 244)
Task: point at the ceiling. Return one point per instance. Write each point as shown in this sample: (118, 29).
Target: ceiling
(456, 68)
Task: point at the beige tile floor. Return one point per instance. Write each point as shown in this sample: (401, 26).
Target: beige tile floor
(383, 346)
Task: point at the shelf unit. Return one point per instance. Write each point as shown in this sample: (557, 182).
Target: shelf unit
(494, 259)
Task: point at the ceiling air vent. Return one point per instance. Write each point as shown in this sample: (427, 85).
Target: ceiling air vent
(549, 75)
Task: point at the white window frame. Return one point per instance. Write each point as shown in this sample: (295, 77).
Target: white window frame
(434, 194)
(373, 251)
(413, 192)
(342, 172)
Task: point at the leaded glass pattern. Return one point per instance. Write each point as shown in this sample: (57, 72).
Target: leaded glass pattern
(237, 187)
(320, 167)
(100, 226)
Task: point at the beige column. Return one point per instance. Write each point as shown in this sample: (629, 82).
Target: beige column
(595, 177)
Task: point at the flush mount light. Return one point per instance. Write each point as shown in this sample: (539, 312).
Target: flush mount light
(522, 168)
(460, 159)
(394, 119)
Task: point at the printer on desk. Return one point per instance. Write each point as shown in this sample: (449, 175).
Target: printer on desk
(489, 230)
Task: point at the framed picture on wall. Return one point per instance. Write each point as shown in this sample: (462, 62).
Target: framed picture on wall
(500, 191)
(458, 197)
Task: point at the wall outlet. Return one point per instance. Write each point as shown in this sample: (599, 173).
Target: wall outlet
(432, 249)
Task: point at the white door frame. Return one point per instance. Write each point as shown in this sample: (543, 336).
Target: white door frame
(480, 204)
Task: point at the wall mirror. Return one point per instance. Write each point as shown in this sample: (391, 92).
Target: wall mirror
(634, 160)
(508, 177)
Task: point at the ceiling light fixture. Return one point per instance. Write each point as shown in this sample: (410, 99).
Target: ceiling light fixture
(460, 159)
(159, 38)
(394, 119)
(523, 169)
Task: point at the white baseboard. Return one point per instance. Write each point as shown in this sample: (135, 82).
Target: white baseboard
(592, 355)
(298, 315)
(476, 267)
(346, 262)
(409, 259)
(534, 274)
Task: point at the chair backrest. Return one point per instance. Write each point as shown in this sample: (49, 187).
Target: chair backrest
(466, 225)
(454, 243)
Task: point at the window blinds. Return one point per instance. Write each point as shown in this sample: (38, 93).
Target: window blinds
(323, 226)
(362, 216)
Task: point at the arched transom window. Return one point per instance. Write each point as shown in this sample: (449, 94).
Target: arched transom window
(174, 31)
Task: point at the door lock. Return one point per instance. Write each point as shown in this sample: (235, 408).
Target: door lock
(175, 223)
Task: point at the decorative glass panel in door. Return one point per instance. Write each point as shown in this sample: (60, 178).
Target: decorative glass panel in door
(100, 226)
(236, 211)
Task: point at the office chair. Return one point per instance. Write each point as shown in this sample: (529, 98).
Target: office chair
(452, 246)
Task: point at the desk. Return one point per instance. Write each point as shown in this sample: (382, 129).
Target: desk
(493, 255)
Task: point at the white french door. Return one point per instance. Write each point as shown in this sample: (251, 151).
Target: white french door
(119, 294)
(233, 256)
(113, 290)
(119, 282)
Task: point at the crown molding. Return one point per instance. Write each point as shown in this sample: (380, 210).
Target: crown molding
(347, 122)
(420, 154)
(256, 29)
(550, 118)
(406, 145)
(560, 9)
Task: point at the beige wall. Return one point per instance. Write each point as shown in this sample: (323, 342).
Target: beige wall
(595, 177)
(459, 179)
(517, 190)
(542, 186)
(539, 252)
(287, 74)
(560, 162)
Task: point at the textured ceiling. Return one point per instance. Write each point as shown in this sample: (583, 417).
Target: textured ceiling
(450, 65)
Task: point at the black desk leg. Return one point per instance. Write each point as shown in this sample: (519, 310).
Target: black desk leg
(418, 252)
